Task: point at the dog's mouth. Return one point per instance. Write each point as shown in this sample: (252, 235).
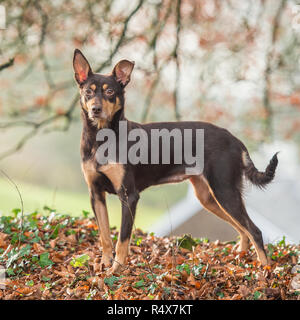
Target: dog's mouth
(97, 116)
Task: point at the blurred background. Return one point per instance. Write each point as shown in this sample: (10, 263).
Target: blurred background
(230, 62)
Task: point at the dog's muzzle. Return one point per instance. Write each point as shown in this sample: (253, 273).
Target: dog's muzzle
(96, 111)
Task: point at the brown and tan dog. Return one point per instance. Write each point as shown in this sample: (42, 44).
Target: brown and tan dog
(218, 187)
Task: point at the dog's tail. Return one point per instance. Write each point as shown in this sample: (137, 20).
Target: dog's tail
(258, 178)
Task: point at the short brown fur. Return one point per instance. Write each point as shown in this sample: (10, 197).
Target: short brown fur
(218, 187)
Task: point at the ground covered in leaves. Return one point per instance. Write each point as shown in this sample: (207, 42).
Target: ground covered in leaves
(57, 257)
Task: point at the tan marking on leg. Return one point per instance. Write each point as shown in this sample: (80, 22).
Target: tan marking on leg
(105, 239)
(89, 172)
(90, 175)
(121, 255)
(244, 242)
(260, 253)
(115, 173)
(203, 194)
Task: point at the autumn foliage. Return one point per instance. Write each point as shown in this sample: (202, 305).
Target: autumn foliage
(57, 257)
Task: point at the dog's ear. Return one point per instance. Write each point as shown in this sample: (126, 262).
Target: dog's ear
(81, 67)
(122, 71)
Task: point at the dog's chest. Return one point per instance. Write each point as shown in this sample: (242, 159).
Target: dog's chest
(93, 174)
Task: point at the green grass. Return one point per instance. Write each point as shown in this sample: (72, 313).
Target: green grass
(153, 203)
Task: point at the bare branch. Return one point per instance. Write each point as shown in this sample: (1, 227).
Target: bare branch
(150, 96)
(7, 64)
(22, 203)
(68, 114)
(268, 71)
(176, 57)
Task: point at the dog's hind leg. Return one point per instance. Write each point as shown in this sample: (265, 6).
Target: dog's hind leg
(207, 200)
(229, 198)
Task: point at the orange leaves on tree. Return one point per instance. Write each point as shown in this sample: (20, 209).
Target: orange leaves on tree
(40, 101)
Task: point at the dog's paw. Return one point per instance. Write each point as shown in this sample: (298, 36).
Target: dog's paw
(115, 269)
(264, 261)
(270, 261)
(241, 246)
(106, 261)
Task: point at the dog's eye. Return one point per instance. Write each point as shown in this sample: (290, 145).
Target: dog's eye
(109, 92)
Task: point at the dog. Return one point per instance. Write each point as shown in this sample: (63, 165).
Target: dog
(218, 186)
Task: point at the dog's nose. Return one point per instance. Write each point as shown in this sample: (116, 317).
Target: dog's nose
(96, 109)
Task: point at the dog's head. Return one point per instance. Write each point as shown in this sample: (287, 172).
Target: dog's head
(101, 96)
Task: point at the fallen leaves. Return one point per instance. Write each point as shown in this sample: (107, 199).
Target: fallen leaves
(295, 283)
(59, 258)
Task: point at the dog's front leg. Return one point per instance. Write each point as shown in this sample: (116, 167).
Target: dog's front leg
(99, 207)
(129, 202)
